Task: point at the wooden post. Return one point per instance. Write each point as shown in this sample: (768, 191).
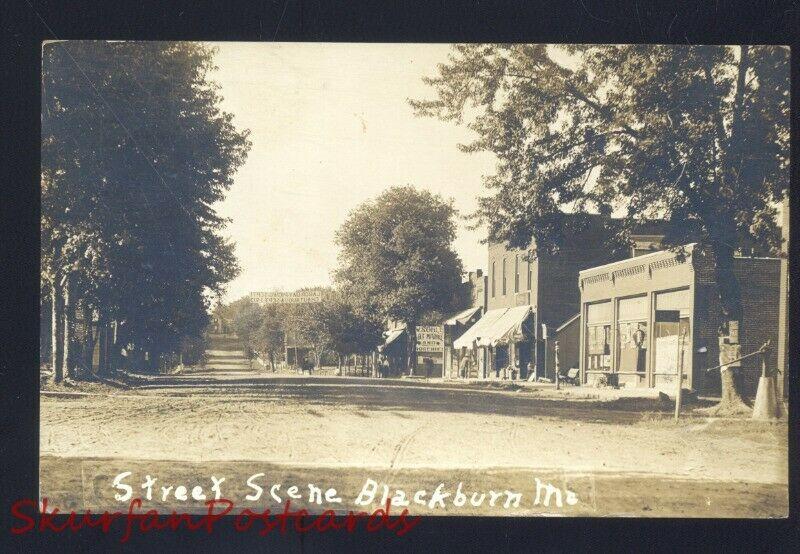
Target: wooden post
(679, 390)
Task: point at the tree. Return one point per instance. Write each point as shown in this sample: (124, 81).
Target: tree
(697, 135)
(135, 152)
(246, 324)
(349, 331)
(303, 326)
(397, 259)
(268, 339)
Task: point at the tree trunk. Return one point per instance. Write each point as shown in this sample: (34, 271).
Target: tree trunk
(69, 330)
(411, 338)
(89, 338)
(114, 342)
(102, 354)
(731, 307)
(57, 332)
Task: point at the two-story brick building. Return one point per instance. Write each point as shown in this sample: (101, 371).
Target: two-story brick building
(547, 284)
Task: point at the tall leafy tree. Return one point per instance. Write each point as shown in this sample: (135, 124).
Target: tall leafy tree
(350, 331)
(135, 152)
(698, 135)
(397, 258)
(303, 326)
(246, 324)
(269, 337)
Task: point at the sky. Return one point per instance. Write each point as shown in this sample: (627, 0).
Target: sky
(331, 127)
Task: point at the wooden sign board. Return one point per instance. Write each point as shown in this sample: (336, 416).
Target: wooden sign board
(430, 338)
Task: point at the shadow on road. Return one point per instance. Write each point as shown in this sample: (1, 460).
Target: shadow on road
(393, 395)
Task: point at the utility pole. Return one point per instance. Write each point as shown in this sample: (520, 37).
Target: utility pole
(680, 374)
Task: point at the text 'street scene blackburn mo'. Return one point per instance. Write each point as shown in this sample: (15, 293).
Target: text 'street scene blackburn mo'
(450, 280)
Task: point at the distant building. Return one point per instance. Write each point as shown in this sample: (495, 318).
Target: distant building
(476, 283)
(310, 296)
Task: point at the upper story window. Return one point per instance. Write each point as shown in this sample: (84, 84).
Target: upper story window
(504, 276)
(530, 274)
(516, 273)
(493, 279)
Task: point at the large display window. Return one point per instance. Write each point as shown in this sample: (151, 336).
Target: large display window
(598, 336)
(632, 334)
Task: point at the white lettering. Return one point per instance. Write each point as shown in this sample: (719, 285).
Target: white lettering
(274, 488)
(148, 484)
(197, 493)
(367, 494)
(118, 484)
(216, 488)
(259, 491)
(438, 496)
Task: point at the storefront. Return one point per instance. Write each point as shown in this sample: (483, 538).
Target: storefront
(644, 318)
(454, 327)
(392, 354)
(498, 346)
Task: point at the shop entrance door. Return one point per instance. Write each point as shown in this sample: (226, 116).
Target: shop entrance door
(669, 325)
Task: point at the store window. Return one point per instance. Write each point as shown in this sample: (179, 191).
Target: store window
(671, 321)
(598, 336)
(632, 334)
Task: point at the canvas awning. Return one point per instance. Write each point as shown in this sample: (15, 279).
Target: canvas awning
(500, 326)
(463, 317)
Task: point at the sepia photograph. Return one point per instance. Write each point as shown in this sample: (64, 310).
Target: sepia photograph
(420, 279)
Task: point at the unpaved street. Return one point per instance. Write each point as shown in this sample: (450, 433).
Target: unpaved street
(361, 425)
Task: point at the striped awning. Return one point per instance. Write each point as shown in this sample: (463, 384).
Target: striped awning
(500, 326)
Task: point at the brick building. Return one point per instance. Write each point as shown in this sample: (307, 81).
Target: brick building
(548, 285)
(634, 311)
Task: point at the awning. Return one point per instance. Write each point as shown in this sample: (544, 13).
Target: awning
(390, 338)
(499, 326)
(463, 317)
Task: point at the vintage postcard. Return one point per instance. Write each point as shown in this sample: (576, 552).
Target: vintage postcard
(428, 279)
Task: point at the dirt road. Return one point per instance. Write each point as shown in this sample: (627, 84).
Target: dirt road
(399, 429)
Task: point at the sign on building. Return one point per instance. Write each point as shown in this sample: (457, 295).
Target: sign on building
(430, 338)
(279, 297)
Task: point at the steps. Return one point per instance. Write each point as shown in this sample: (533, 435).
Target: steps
(225, 354)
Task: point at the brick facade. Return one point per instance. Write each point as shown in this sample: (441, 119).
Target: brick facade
(759, 280)
(648, 276)
(552, 290)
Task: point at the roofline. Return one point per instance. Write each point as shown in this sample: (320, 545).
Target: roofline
(666, 251)
(567, 322)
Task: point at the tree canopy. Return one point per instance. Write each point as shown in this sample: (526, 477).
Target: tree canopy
(396, 254)
(695, 135)
(397, 259)
(135, 152)
(349, 330)
(684, 133)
